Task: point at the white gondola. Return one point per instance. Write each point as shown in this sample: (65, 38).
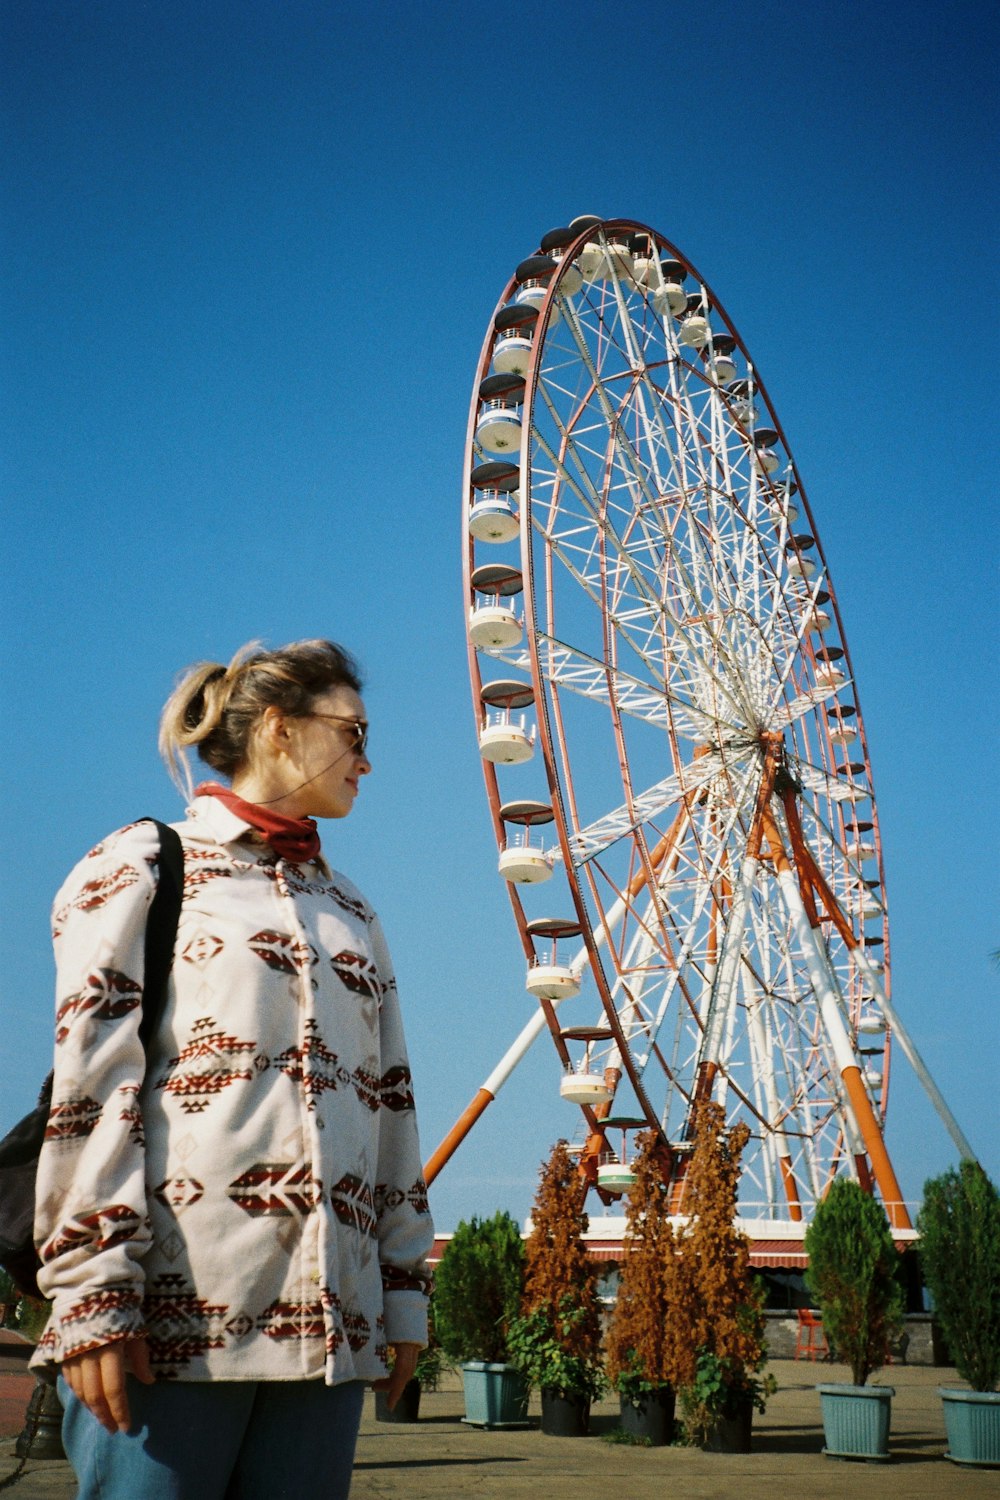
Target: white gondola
(617, 262)
(669, 300)
(524, 863)
(505, 739)
(571, 280)
(615, 1176)
(552, 982)
(554, 244)
(871, 1025)
(694, 332)
(548, 979)
(493, 515)
(818, 621)
(514, 341)
(644, 267)
(590, 260)
(493, 518)
(494, 625)
(859, 849)
(843, 733)
(766, 458)
(532, 293)
(785, 509)
(873, 1078)
(722, 364)
(498, 429)
(584, 1088)
(512, 352)
(828, 674)
(724, 368)
(800, 567)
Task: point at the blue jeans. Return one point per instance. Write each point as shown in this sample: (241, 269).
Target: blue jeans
(219, 1440)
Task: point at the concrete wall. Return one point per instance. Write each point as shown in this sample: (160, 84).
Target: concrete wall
(921, 1346)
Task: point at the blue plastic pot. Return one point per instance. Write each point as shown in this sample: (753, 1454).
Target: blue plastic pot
(495, 1395)
(972, 1422)
(856, 1420)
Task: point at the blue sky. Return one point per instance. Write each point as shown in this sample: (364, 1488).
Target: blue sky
(251, 251)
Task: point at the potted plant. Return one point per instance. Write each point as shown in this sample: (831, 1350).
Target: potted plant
(959, 1227)
(853, 1274)
(641, 1359)
(556, 1343)
(477, 1295)
(545, 1345)
(717, 1312)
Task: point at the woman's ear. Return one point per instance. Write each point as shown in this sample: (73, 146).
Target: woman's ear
(273, 730)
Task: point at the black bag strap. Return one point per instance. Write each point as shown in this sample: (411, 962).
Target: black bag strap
(161, 928)
(19, 1150)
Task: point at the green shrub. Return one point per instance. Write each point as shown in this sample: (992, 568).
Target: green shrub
(545, 1348)
(853, 1274)
(959, 1228)
(477, 1289)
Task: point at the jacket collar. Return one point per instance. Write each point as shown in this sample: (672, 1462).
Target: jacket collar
(224, 825)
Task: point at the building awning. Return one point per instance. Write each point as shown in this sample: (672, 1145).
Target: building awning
(777, 1253)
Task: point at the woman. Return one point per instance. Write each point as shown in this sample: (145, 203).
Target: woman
(233, 1224)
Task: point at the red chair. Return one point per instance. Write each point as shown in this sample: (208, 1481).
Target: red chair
(810, 1340)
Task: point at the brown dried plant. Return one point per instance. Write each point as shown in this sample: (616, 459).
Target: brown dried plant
(642, 1351)
(716, 1309)
(560, 1278)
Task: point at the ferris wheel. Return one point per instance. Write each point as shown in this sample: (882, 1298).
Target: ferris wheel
(672, 740)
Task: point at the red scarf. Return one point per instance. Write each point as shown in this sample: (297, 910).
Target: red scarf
(295, 839)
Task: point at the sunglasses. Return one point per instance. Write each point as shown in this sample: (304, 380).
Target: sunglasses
(357, 727)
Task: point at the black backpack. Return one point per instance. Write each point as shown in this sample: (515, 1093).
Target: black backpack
(19, 1150)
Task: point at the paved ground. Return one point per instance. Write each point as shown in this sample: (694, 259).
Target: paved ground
(440, 1457)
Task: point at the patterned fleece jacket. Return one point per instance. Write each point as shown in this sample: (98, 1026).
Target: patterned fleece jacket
(250, 1194)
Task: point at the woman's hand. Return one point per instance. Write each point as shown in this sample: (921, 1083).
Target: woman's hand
(97, 1378)
(404, 1364)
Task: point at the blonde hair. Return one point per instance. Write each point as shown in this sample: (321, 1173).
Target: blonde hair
(216, 709)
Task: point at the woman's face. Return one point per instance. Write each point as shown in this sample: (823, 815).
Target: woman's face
(326, 759)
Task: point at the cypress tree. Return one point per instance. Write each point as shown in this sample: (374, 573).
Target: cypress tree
(853, 1273)
(477, 1288)
(959, 1228)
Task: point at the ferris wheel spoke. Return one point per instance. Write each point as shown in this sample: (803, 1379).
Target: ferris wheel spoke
(645, 607)
(636, 471)
(812, 698)
(778, 1150)
(719, 606)
(685, 892)
(801, 1064)
(580, 672)
(645, 808)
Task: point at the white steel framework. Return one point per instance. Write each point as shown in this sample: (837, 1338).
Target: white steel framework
(702, 746)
